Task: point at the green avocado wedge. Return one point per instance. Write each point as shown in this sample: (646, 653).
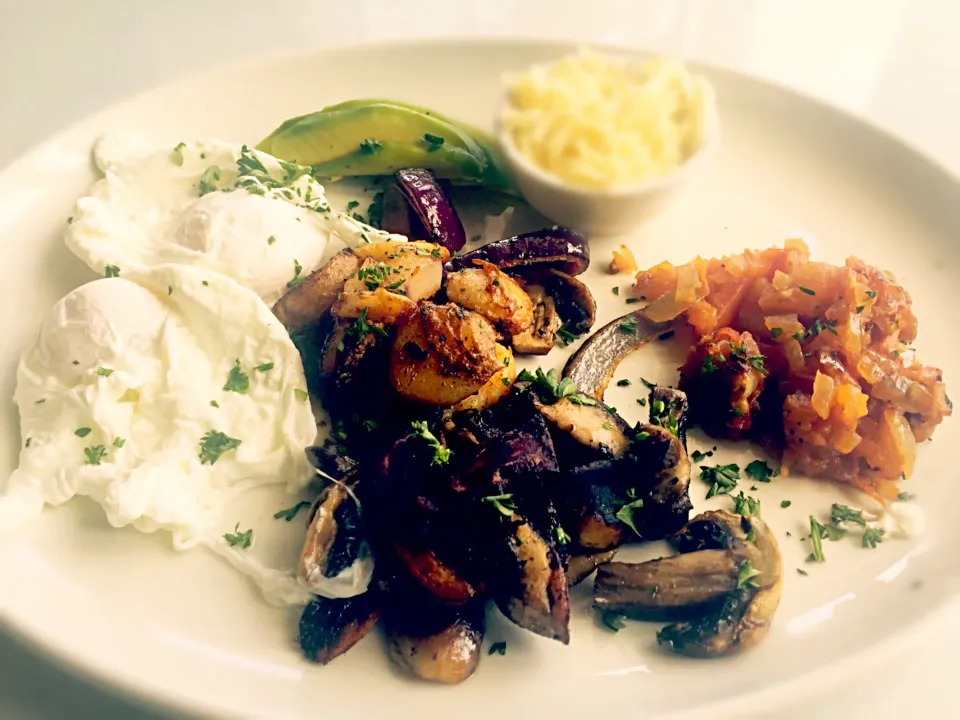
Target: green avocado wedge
(378, 137)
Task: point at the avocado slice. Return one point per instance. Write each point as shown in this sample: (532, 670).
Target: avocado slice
(378, 137)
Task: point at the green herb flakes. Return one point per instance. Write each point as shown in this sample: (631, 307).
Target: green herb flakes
(214, 444)
(242, 540)
(237, 380)
(291, 512)
(94, 454)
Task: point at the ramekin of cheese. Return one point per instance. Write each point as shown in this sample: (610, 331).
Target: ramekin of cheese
(601, 143)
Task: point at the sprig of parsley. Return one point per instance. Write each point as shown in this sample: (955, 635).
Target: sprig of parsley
(291, 512)
(441, 454)
(503, 503)
(237, 380)
(626, 514)
(209, 179)
(745, 574)
(214, 444)
(721, 478)
(760, 471)
(243, 540)
(94, 454)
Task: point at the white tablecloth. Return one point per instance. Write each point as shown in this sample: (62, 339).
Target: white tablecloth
(894, 61)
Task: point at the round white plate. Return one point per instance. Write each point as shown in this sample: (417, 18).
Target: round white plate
(186, 632)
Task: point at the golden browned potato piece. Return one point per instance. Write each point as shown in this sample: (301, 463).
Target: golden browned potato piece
(493, 294)
(415, 276)
(383, 251)
(381, 305)
(308, 301)
(442, 354)
(496, 387)
(436, 643)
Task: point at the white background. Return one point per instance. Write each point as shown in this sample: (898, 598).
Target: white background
(896, 62)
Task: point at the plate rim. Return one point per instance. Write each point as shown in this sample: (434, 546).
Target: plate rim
(815, 683)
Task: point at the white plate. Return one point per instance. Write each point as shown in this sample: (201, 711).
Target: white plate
(185, 631)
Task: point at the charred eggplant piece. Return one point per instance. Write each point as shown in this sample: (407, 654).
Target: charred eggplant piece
(335, 561)
(724, 587)
(432, 207)
(434, 642)
(559, 248)
(328, 628)
(579, 567)
(353, 369)
(307, 302)
(593, 365)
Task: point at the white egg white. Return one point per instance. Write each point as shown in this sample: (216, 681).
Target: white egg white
(128, 376)
(189, 204)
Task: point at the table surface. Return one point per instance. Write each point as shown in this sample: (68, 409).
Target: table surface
(892, 61)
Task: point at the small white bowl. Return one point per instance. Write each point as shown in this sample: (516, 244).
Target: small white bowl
(612, 211)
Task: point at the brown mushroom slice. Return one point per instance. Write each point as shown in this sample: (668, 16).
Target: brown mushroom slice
(353, 368)
(573, 300)
(492, 293)
(334, 553)
(534, 592)
(540, 336)
(436, 643)
(658, 452)
(727, 585)
(590, 425)
(438, 578)
(328, 628)
(669, 409)
(579, 567)
(309, 300)
(443, 354)
(378, 305)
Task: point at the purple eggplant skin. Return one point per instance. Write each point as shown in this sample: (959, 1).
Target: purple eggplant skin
(559, 248)
(432, 207)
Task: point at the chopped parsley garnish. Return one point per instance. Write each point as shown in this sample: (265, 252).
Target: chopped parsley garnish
(872, 536)
(860, 308)
(291, 512)
(503, 503)
(842, 513)
(697, 456)
(352, 205)
(375, 211)
(551, 384)
(214, 444)
(214, 403)
(562, 537)
(297, 276)
(806, 290)
(375, 275)
(629, 326)
(745, 505)
(721, 478)
(776, 332)
(641, 436)
(631, 301)
(505, 381)
(361, 327)
(26, 443)
(271, 240)
(243, 540)
(785, 503)
(497, 648)
(760, 471)
(871, 294)
(441, 454)
(369, 147)
(623, 383)
(612, 621)
(111, 271)
(906, 497)
(801, 571)
(649, 385)
(625, 514)
(709, 365)
(745, 574)
(565, 336)
(581, 399)
(176, 155)
(119, 442)
(104, 372)
(237, 380)
(94, 454)
(642, 402)
(820, 326)
(300, 395)
(82, 432)
(756, 362)
(433, 142)
(615, 289)
(265, 367)
(208, 181)
(817, 539)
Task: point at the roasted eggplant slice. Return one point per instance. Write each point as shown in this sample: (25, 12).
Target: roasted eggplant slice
(432, 208)
(724, 587)
(557, 247)
(328, 628)
(435, 642)
(307, 302)
(573, 300)
(593, 365)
